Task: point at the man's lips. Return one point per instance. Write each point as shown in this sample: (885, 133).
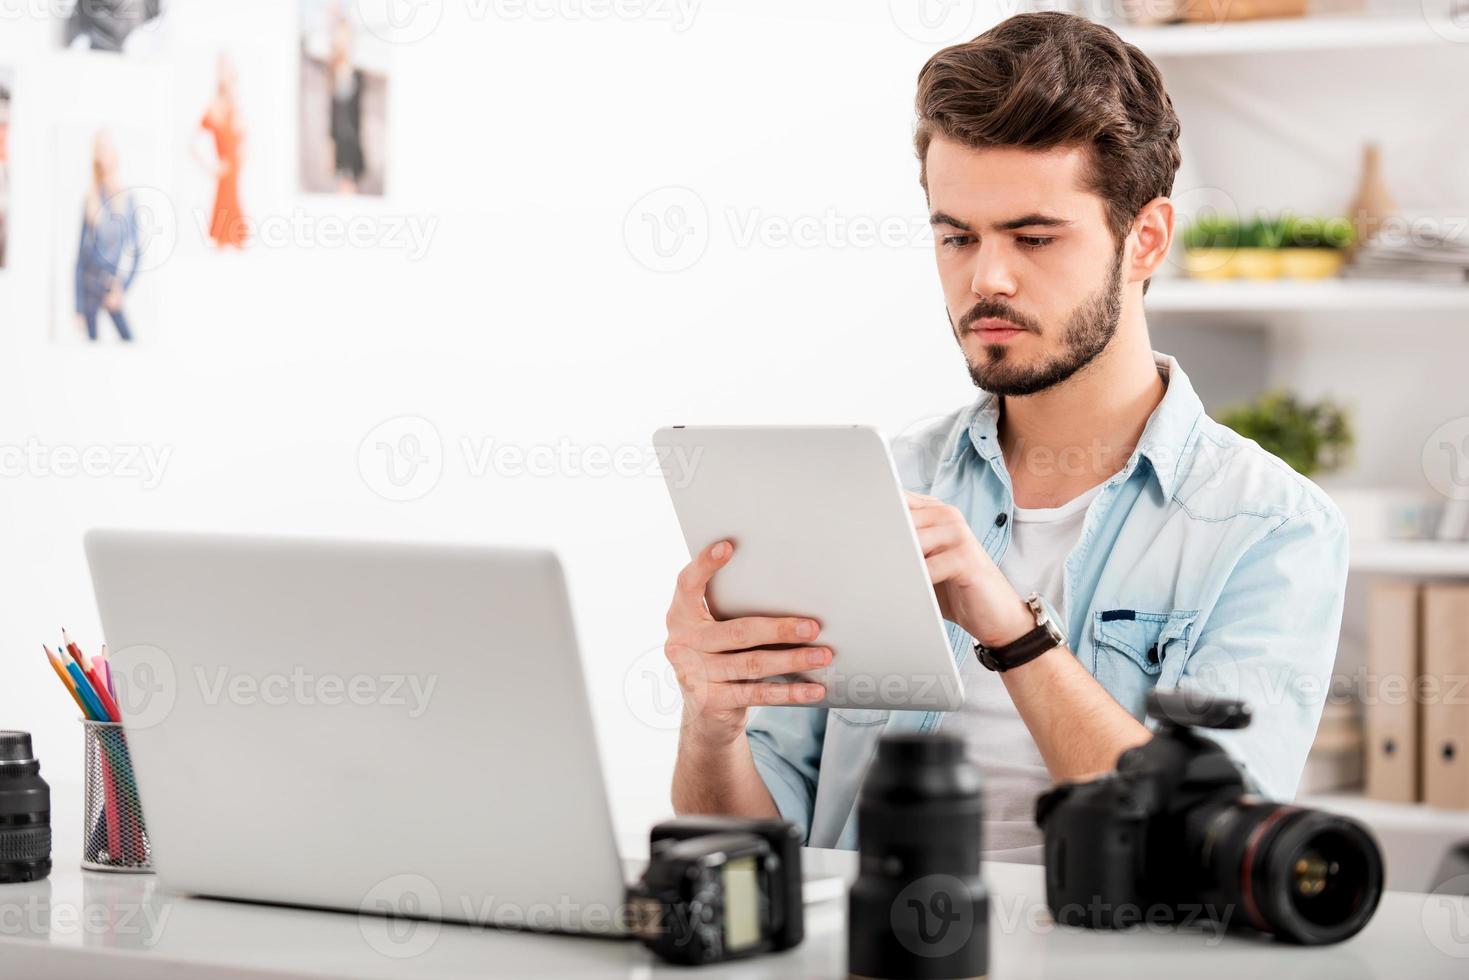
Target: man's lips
(992, 328)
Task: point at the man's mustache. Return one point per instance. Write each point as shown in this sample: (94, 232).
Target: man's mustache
(987, 310)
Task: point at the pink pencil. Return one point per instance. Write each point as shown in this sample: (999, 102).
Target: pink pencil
(105, 666)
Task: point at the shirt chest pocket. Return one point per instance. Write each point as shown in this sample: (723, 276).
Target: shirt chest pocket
(1133, 649)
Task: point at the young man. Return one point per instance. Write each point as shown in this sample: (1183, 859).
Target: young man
(1086, 485)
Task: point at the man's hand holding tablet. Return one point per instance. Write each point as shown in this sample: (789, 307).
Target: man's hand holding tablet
(719, 672)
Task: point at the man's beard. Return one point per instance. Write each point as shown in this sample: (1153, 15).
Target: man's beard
(1087, 333)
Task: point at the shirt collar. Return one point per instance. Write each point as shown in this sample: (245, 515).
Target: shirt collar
(1166, 437)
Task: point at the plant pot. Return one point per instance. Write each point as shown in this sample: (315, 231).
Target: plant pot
(1257, 263)
(1311, 263)
(1209, 263)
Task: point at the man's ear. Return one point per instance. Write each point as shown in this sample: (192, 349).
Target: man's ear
(1153, 231)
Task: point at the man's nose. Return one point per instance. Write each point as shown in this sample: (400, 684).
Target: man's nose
(992, 275)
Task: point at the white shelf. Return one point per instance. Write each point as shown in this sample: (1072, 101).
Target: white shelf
(1427, 558)
(1181, 295)
(1295, 34)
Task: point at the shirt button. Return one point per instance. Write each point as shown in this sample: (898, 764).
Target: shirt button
(1000, 520)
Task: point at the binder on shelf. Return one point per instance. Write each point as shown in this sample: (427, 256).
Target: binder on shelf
(1445, 746)
(1394, 627)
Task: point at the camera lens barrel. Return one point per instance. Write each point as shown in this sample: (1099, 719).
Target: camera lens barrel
(1305, 876)
(25, 812)
(919, 907)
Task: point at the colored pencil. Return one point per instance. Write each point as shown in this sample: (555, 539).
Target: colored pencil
(106, 663)
(95, 711)
(99, 687)
(109, 790)
(55, 663)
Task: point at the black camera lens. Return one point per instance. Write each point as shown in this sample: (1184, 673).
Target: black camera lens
(25, 812)
(919, 908)
(1305, 876)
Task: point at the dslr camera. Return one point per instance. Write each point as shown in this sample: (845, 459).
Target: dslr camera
(719, 888)
(1176, 828)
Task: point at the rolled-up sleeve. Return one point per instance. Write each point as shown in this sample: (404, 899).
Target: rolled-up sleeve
(1271, 641)
(786, 745)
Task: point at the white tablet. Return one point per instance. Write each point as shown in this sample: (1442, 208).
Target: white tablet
(820, 529)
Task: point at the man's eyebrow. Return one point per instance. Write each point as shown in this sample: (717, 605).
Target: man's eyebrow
(1032, 220)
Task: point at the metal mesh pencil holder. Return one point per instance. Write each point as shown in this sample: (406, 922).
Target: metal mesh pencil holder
(114, 835)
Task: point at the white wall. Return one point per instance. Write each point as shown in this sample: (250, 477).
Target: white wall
(526, 145)
(528, 320)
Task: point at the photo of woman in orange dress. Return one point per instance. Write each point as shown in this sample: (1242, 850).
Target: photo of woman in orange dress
(222, 121)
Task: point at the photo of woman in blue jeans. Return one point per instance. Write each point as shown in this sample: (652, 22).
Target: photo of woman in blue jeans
(109, 244)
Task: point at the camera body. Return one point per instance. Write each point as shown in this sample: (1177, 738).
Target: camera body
(1176, 830)
(720, 888)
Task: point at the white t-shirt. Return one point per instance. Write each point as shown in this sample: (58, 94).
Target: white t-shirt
(998, 742)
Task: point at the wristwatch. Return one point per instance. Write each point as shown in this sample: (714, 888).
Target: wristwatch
(1046, 635)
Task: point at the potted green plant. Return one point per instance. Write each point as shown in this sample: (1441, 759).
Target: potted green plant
(1313, 437)
(1209, 245)
(1313, 247)
(1259, 244)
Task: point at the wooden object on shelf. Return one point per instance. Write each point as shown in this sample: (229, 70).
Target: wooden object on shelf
(1393, 642)
(1210, 11)
(1445, 745)
(1373, 206)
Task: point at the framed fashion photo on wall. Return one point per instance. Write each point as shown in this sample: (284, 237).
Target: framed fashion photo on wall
(113, 229)
(343, 100)
(227, 151)
(130, 27)
(7, 87)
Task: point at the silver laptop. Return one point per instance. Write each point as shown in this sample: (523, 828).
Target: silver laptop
(387, 728)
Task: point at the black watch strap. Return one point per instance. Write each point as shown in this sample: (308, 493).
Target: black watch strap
(1019, 652)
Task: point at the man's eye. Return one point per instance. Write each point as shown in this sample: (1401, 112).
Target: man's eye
(1033, 242)
(955, 241)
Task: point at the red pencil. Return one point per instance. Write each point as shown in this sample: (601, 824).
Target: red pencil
(90, 669)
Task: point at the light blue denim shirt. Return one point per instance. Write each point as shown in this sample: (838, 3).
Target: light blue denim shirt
(1204, 561)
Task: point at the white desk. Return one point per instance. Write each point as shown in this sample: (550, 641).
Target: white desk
(117, 927)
